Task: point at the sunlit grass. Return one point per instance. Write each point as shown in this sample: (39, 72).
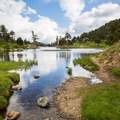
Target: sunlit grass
(102, 102)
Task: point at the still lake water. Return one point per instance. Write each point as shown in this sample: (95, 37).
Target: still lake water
(52, 68)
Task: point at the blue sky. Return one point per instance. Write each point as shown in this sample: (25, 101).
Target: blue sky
(49, 18)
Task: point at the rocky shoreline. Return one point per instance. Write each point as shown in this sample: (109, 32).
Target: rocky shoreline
(67, 101)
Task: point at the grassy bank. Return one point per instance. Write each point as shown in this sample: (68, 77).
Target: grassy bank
(8, 79)
(87, 63)
(101, 102)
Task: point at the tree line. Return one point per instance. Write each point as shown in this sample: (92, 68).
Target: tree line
(108, 34)
(9, 37)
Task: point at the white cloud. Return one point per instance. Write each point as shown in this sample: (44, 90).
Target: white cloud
(31, 11)
(95, 18)
(72, 8)
(12, 7)
(91, 1)
(10, 14)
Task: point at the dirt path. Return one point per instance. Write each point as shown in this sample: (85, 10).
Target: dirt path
(102, 73)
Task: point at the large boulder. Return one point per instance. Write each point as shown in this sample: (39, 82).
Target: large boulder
(43, 102)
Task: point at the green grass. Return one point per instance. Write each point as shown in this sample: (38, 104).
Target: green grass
(3, 102)
(116, 71)
(8, 79)
(87, 63)
(69, 71)
(102, 102)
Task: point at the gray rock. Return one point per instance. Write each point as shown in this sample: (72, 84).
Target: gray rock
(43, 102)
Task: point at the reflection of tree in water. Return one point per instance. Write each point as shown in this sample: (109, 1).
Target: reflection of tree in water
(5, 56)
(65, 55)
(1, 56)
(12, 56)
(20, 56)
(77, 55)
(34, 55)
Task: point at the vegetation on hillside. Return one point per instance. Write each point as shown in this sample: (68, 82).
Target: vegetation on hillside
(102, 37)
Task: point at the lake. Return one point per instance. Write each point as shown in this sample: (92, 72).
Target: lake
(52, 66)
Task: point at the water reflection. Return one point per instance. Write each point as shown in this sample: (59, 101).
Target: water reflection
(52, 68)
(5, 56)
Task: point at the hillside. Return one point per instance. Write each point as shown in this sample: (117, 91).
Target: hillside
(101, 37)
(108, 33)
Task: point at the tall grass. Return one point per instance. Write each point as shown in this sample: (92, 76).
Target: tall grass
(87, 63)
